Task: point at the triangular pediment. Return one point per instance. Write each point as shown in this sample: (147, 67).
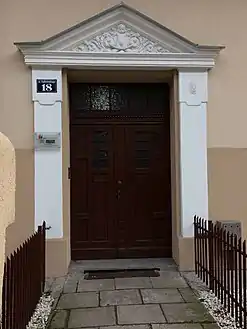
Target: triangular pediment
(118, 30)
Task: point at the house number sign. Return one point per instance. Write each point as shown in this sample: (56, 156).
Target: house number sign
(46, 85)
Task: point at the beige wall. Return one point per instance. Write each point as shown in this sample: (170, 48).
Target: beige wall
(201, 21)
(227, 169)
(7, 196)
(205, 21)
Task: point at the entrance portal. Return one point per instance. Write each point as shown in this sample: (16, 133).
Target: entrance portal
(120, 171)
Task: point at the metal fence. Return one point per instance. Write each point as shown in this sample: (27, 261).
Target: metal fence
(24, 278)
(220, 261)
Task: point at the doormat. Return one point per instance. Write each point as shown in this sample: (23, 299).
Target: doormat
(126, 273)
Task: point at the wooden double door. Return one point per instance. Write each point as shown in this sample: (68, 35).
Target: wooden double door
(120, 187)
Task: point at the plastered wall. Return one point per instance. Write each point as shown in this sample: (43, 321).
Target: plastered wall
(7, 196)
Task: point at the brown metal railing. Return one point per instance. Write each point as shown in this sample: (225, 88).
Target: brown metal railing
(24, 278)
(220, 261)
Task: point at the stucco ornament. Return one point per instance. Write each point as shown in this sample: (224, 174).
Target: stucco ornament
(192, 87)
(120, 39)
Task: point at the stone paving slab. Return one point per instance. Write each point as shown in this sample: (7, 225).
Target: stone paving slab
(169, 279)
(57, 286)
(48, 284)
(59, 320)
(95, 285)
(164, 302)
(134, 326)
(140, 314)
(92, 317)
(133, 283)
(106, 264)
(78, 300)
(70, 285)
(152, 296)
(177, 326)
(164, 264)
(187, 312)
(188, 295)
(120, 297)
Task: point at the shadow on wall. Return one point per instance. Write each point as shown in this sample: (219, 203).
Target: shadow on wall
(7, 196)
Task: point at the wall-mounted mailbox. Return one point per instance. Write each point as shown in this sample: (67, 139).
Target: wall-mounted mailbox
(47, 141)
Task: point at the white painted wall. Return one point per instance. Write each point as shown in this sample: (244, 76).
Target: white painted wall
(193, 148)
(48, 163)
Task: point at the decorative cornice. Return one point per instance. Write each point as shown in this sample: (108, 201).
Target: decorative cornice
(120, 61)
(118, 37)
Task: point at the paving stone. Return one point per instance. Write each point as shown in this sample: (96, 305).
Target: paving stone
(188, 295)
(95, 285)
(186, 312)
(75, 275)
(134, 326)
(78, 300)
(132, 283)
(139, 314)
(94, 328)
(120, 297)
(146, 263)
(59, 319)
(177, 326)
(113, 264)
(70, 285)
(169, 279)
(151, 296)
(92, 317)
(48, 284)
(57, 286)
(54, 304)
(165, 264)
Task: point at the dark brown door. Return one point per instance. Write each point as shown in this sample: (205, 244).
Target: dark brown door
(143, 171)
(120, 176)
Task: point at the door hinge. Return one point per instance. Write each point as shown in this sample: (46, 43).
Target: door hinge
(69, 173)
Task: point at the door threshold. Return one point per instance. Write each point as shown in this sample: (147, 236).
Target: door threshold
(121, 273)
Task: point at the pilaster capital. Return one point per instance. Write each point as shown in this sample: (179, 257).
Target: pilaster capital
(193, 87)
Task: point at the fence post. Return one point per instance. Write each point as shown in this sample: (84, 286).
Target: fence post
(41, 237)
(44, 252)
(195, 244)
(210, 255)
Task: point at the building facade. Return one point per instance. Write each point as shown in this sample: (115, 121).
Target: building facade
(127, 120)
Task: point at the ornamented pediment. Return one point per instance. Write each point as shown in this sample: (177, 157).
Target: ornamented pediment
(119, 37)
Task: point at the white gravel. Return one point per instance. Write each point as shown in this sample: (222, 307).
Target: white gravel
(214, 307)
(41, 313)
(211, 302)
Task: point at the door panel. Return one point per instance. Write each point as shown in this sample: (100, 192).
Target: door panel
(145, 209)
(92, 200)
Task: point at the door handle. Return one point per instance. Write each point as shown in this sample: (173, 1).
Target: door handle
(118, 194)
